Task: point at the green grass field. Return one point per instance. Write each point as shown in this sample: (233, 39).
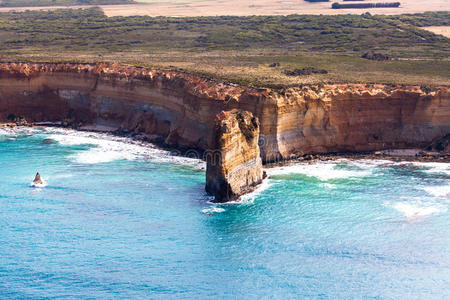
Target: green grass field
(239, 49)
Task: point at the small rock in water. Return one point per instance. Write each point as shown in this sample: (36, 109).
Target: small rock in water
(48, 141)
(37, 179)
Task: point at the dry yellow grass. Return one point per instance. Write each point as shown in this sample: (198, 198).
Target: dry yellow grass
(190, 8)
(443, 30)
(253, 66)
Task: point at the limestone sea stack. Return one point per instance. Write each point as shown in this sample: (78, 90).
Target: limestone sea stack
(37, 179)
(234, 167)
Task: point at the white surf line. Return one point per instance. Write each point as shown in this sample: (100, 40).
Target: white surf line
(322, 170)
(440, 191)
(107, 148)
(416, 210)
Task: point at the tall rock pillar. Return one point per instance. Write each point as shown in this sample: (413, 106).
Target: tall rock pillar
(234, 167)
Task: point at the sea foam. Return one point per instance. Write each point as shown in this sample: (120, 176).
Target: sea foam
(15, 132)
(212, 210)
(411, 211)
(324, 171)
(250, 197)
(106, 148)
(38, 185)
(346, 168)
(19, 130)
(441, 191)
(434, 167)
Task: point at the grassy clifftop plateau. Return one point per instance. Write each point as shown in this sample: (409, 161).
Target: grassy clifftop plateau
(240, 49)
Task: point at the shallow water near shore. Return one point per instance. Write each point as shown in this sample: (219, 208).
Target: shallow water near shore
(122, 219)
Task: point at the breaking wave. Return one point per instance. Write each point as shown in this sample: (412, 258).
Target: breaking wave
(213, 210)
(105, 148)
(433, 167)
(325, 170)
(101, 147)
(347, 168)
(13, 133)
(39, 185)
(416, 210)
(250, 197)
(441, 191)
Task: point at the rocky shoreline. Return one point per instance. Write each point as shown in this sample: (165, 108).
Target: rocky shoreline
(421, 156)
(180, 111)
(396, 155)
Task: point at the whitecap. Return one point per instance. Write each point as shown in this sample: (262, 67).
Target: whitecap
(428, 167)
(323, 170)
(366, 163)
(434, 167)
(14, 131)
(212, 210)
(70, 138)
(38, 185)
(416, 210)
(441, 191)
(95, 156)
(247, 198)
(329, 186)
(5, 131)
(250, 197)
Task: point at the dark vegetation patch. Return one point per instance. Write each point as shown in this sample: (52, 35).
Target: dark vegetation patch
(304, 71)
(337, 5)
(375, 56)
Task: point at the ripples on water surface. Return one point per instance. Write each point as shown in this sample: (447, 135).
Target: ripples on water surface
(120, 219)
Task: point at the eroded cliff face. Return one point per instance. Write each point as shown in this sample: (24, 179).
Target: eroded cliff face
(234, 168)
(180, 108)
(355, 118)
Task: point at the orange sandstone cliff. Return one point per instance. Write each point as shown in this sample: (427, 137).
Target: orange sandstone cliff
(180, 109)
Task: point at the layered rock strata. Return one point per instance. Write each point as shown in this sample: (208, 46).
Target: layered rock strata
(234, 167)
(179, 109)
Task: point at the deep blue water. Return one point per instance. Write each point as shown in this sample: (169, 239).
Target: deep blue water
(120, 220)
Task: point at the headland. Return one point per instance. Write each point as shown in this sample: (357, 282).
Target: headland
(178, 109)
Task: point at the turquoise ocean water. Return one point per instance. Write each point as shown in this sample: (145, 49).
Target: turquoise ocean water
(118, 219)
